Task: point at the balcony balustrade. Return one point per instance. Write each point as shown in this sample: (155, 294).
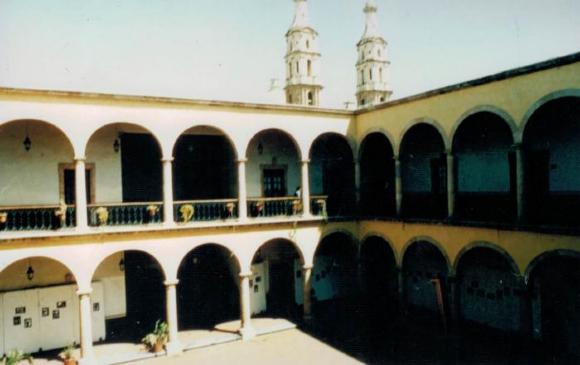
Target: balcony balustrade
(38, 217)
(121, 214)
(205, 210)
(274, 207)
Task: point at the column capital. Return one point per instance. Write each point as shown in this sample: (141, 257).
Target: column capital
(242, 160)
(84, 292)
(80, 159)
(307, 267)
(449, 153)
(517, 146)
(245, 274)
(172, 282)
(303, 161)
(167, 159)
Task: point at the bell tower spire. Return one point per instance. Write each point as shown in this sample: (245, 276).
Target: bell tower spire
(372, 65)
(302, 60)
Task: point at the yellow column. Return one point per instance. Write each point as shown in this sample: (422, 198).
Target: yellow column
(80, 194)
(168, 191)
(86, 331)
(307, 289)
(520, 188)
(357, 184)
(305, 188)
(173, 346)
(242, 193)
(398, 187)
(246, 329)
(450, 185)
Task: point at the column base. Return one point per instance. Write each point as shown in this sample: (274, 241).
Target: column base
(173, 348)
(247, 333)
(89, 361)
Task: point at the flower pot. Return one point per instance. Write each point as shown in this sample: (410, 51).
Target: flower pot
(3, 217)
(157, 347)
(70, 362)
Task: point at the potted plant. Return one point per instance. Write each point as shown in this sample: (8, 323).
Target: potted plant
(67, 355)
(187, 212)
(296, 206)
(3, 217)
(260, 207)
(230, 208)
(15, 357)
(60, 214)
(102, 216)
(156, 340)
(151, 212)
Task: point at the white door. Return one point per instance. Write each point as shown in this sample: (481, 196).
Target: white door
(258, 288)
(56, 317)
(21, 321)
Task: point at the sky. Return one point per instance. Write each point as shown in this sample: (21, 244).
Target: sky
(230, 49)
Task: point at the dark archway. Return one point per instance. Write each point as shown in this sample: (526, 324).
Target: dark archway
(332, 173)
(277, 267)
(379, 275)
(208, 292)
(377, 169)
(489, 291)
(423, 264)
(485, 169)
(551, 143)
(423, 172)
(555, 284)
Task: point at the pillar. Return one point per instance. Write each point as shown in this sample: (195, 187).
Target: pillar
(305, 189)
(357, 185)
(307, 290)
(452, 295)
(246, 329)
(450, 185)
(168, 191)
(526, 309)
(401, 291)
(81, 194)
(398, 186)
(86, 330)
(520, 188)
(242, 193)
(173, 345)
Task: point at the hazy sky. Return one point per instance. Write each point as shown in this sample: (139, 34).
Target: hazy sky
(230, 49)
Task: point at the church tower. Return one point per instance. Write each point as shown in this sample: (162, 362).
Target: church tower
(372, 65)
(302, 60)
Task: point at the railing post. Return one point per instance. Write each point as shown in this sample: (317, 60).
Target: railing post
(81, 194)
(398, 187)
(246, 329)
(173, 346)
(305, 189)
(168, 191)
(86, 331)
(450, 185)
(242, 193)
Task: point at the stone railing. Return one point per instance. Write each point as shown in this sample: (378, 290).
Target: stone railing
(205, 210)
(36, 217)
(121, 214)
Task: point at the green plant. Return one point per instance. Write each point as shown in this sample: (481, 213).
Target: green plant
(15, 356)
(158, 337)
(68, 353)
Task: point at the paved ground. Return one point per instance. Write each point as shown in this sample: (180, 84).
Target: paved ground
(287, 347)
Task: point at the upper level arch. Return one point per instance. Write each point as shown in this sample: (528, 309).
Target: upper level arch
(429, 241)
(489, 246)
(505, 116)
(545, 256)
(205, 129)
(281, 133)
(121, 127)
(423, 121)
(379, 131)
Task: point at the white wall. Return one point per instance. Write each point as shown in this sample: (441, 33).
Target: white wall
(108, 174)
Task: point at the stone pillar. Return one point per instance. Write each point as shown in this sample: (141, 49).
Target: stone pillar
(305, 189)
(81, 194)
(450, 185)
(173, 346)
(307, 290)
(168, 191)
(401, 291)
(86, 330)
(452, 295)
(246, 329)
(242, 193)
(520, 187)
(357, 187)
(526, 309)
(398, 186)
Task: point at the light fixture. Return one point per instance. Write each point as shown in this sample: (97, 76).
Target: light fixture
(122, 264)
(260, 148)
(27, 142)
(30, 272)
(116, 145)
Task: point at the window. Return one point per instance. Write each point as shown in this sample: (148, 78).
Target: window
(309, 67)
(273, 181)
(380, 74)
(371, 74)
(307, 44)
(310, 98)
(297, 68)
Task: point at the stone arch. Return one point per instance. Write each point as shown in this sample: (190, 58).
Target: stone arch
(492, 246)
(370, 131)
(372, 234)
(344, 232)
(287, 134)
(105, 255)
(536, 261)
(296, 247)
(539, 103)
(72, 146)
(505, 116)
(232, 141)
(424, 120)
(53, 258)
(431, 241)
(216, 243)
(348, 139)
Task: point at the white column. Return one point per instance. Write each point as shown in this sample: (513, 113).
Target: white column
(86, 322)
(305, 189)
(520, 188)
(242, 192)
(307, 289)
(173, 345)
(450, 185)
(80, 194)
(168, 191)
(398, 187)
(246, 329)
